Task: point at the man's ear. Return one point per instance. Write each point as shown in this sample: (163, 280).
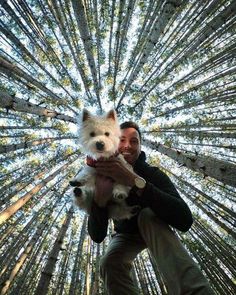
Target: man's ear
(86, 115)
(112, 115)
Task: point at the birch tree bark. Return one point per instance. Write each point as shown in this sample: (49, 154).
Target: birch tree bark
(208, 166)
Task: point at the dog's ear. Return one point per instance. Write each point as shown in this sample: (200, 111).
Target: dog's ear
(112, 115)
(86, 115)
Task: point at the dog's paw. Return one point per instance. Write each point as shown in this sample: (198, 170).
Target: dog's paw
(135, 210)
(75, 183)
(77, 192)
(119, 196)
(120, 192)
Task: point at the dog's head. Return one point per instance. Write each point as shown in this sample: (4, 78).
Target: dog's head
(99, 135)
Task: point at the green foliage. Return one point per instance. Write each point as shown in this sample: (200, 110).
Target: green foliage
(62, 127)
(172, 71)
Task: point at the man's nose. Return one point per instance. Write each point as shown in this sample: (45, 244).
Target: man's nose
(126, 146)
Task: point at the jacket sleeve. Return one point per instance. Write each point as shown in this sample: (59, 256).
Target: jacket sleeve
(97, 223)
(162, 197)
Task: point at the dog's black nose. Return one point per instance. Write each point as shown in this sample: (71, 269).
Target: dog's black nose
(100, 145)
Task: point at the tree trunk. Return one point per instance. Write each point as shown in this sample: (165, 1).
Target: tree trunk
(47, 273)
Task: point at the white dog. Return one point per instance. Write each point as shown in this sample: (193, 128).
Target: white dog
(99, 137)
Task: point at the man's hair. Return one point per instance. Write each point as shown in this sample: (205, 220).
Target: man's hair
(131, 124)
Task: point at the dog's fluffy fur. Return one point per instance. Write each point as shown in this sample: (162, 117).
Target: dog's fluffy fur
(99, 137)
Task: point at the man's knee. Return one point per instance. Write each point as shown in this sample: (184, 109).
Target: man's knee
(108, 263)
(146, 216)
(148, 219)
(111, 264)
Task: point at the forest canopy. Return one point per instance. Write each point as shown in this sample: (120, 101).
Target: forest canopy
(170, 66)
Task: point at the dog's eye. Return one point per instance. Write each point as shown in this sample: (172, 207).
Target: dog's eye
(92, 134)
(107, 133)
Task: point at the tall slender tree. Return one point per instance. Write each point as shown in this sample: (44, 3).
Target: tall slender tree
(167, 65)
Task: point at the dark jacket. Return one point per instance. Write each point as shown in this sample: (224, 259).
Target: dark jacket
(159, 194)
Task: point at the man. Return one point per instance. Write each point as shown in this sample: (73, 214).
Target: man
(161, 206)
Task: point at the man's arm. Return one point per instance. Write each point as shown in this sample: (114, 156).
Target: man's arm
(159, 194)
(98, 223)
(98, 217)
(162, 197)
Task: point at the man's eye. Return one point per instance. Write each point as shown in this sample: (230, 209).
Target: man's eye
(92, 134)
(107, 133)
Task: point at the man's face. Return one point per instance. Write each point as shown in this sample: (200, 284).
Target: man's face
(130, 145)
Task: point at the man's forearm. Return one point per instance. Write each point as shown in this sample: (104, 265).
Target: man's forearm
(173, 210)
(98, 223)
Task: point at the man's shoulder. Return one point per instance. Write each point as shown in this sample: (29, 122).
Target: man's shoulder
(152, 171)
(151, 167)
(147, 170)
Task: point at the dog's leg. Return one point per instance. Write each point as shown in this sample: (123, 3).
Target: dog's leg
(83, 198)
(122, 211)
(120, 192)
(84, 194)
(76, 183)
(78, 190)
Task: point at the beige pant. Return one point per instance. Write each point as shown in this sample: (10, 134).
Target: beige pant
(181, 274)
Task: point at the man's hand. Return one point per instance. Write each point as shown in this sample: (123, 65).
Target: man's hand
(116, 169)
(103, 190)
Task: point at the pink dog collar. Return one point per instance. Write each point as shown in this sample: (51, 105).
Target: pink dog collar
(90, 161)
